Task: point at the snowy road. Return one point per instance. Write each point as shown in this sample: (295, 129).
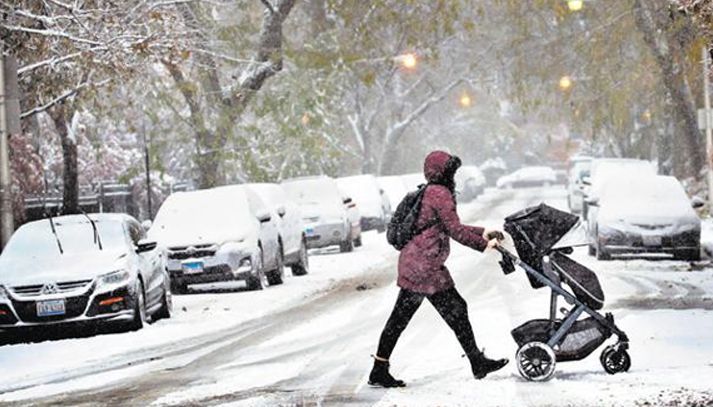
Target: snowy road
(308, 341)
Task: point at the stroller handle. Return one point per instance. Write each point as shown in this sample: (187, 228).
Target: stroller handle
(508, 261)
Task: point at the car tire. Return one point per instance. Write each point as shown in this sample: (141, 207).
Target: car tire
(166, 306)
(302, 268)
(275, 277)
(602, 254)
(258, 281)
(357, 242)
(179, 287)
(687, 254)
(348, 244)
(139, 308)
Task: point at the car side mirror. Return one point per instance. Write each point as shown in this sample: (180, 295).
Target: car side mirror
(145, 246)
(281, 211)
(146, 225)
(697, 202)
(263, 216)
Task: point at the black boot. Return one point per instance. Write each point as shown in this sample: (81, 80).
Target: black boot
(482, 366)
(380, 375)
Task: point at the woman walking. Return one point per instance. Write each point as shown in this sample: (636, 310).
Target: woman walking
(423, 275)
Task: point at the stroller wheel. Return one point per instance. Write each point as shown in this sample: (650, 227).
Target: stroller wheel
(615, 360)
(536, 361)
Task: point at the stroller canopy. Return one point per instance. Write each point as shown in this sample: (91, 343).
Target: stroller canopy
(535, 230)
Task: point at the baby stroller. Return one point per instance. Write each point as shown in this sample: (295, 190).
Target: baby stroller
(543, 342)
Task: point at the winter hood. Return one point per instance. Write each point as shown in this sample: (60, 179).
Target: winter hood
(440, 167)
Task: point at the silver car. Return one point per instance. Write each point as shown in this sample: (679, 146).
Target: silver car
(82, 268)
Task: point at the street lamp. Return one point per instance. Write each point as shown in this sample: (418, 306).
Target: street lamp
(565, 83)
(575, 5)
(465, 100)
(408, 60)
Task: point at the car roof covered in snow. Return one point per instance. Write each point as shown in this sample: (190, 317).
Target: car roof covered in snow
(661, 196)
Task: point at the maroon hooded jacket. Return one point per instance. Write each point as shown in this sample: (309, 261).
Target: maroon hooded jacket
(421, 263)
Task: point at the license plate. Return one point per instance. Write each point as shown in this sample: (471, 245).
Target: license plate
(651, 240)
(50, 308)
(193, 267)
(309, 231)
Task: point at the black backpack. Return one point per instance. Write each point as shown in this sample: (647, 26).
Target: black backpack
(402, 227)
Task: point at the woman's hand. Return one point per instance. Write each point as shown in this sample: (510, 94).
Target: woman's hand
(490, 234)
(492, 244)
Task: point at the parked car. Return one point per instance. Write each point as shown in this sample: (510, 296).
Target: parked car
(290, 226)
(96, 268)
(579, 169)
(394, 189)
(215, 235)
(374, 206)
(470, 182)
(324, 211)
(493, 169)
(528, 177)
(645, 215)
(604, 169)
(413, 180)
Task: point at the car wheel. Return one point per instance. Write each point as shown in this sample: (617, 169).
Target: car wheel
(357, 241)
(602, 254)
(302, 268)
(687, 255)
(275, 277)
(166, 306)
(259, 280)
(347, 245)
(178, 287)
(139, 308)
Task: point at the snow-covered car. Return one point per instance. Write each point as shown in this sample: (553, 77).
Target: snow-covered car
(579, 169)
(95, 268)
(394, 189)
(470, 182)
(374, 207)
(291, 231)
(220, 234)
(413, 180)
(603, 170)
(493, 169)
(324, 212)
(645, 215)
(528, 177)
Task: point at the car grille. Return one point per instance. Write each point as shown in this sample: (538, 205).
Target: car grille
(187, 252)
(61, 288)
(74, 307)
(651, 227)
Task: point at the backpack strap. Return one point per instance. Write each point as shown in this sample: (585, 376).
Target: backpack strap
(430, 224)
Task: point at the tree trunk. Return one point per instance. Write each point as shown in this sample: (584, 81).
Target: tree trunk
(660, 30)
(70, 175)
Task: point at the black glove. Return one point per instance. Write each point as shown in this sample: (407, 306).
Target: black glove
(495, 234)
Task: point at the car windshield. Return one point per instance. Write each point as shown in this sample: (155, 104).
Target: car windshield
(36, 239)
(316, 192)
(201, 211)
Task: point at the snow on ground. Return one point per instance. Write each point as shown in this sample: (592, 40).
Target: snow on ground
(212, 308)
(321, 358)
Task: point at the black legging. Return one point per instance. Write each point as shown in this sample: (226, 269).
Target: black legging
(449, 304)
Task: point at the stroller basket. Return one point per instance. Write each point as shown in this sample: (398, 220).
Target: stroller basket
(583, 338)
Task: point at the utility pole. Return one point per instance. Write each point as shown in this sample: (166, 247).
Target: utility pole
(709, 125)
(6, 217)
(148, 171)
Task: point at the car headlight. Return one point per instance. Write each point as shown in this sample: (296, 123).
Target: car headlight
(246, 264)
(114, 278)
